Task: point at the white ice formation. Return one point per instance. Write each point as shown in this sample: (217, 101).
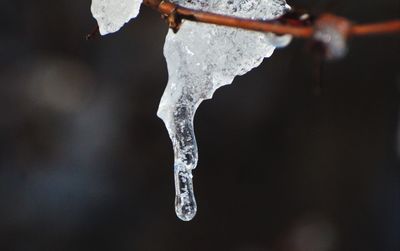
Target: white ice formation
(201, 58)
(111, 15)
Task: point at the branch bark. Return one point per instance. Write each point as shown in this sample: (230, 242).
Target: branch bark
(175, 13)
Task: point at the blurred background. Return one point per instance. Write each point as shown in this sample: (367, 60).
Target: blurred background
(85, 164)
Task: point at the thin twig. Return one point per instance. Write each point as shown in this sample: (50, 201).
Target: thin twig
(376, 28)
(168, 9)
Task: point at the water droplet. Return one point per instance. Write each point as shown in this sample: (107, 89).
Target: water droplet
(185, 203)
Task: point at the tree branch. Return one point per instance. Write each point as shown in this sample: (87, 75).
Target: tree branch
(175, 13)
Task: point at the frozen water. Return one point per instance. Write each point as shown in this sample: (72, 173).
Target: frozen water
(333, 39)
(201, 58)
(185, 203)
(111, 15)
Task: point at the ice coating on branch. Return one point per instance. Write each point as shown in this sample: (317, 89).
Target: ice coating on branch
(111, 15)
(201, 58)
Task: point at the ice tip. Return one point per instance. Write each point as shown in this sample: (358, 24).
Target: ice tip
(185, 209)
(188, 216)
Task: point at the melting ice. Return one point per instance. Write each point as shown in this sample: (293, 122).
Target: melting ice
(201, 58)
(111, 15)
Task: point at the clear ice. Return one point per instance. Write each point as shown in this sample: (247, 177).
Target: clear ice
(111, 15)
(201, 58)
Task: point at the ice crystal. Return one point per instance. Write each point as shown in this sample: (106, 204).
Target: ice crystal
(111, 15)
(201, 58)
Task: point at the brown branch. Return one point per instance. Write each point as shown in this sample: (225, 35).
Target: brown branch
(377, 28)
(175, 13)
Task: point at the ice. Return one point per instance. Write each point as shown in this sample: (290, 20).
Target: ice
(333, 37)
(111, 15)
(201, 58)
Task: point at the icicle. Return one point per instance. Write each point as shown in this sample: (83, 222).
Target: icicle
(111, 15)
(185, 203)
(201, 58)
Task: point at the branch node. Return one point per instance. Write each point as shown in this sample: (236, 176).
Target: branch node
(172, 17)
(332, 33)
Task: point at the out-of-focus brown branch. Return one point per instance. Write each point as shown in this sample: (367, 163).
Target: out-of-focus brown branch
(175, 14)
(376, 28)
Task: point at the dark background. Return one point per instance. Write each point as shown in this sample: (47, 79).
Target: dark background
(85, 164)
